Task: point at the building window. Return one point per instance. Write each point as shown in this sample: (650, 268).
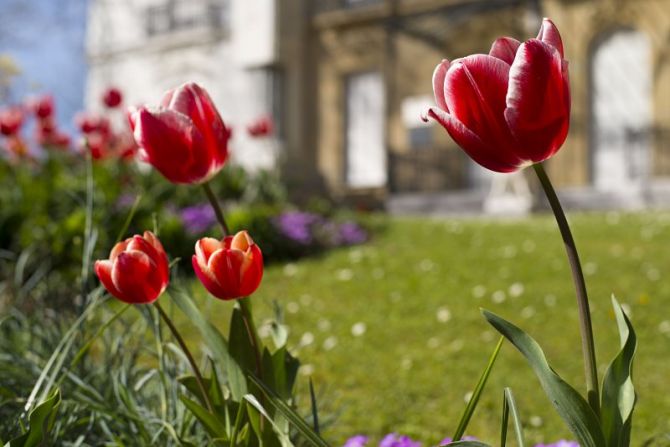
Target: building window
(177, 15)
(419, 132)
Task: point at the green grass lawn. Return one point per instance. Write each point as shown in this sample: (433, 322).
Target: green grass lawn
(393, 339)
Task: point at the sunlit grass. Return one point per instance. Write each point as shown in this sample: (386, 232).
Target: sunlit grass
(392, 335)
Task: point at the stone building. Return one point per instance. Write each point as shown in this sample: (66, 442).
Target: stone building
(348, 80)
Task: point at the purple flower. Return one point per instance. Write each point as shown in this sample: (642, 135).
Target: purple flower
(395, 440)
(351, 234)
(356, 441)
(297, 225)
(197, 218)
(561, 443)
(125, 201)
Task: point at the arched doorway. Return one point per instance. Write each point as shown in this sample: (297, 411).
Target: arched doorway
(621, 111)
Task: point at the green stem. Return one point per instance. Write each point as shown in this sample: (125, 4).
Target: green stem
(217, 208)
(187, 353)
(588, 345)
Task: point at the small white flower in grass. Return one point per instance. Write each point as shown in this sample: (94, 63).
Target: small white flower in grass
(527, 312)
(344, 274)
(329, 343)
(395, 296)
(664, 327)
(516, 289)
(467, 397)
(406, 363)
(498, 297)
(455, 227)
(433, 342)
(426, 265)
(323, 325)
(306, 299)
(590, 268)
(306, 339)
(550, 300)
(290, 269)
(292, 307)
(456, 345)
(528, 246)
(509, 251)
(487, 336)
(355, 255)
(612, 218)
(536, 421)
(358, 329)
(653, 274)
(443, 314)
(478, 291)
(264, 330)
(306, 370)
(378, 273)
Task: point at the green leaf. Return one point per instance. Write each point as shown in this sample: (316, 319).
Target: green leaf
(241, 349)
(509, 405)
(569, 404)
(467, 444)
(476, 394)
(618, 395)
(40, 423)
(215, 427)
(315, 411)
(216, 342)
(289, 413)
(282, 437)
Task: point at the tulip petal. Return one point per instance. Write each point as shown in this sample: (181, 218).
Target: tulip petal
(206, 246)
(438, 84)
(119, 248)
(538, 100)
(241, 241)
(252, 272)
(488, 156)
(172, 144)
(134, 275)
(207, 279)
(549, 34)
(103, 269)
(226, 265)
(161, 259)
(504, 48)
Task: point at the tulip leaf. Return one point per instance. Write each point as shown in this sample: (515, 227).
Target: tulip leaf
(282, 436)
(240, 345)
(289, 413)
(509, 406)
(40, 423)
(216, 342)
(618, 395)
(570, 405)
(215, 427)
(467, 444)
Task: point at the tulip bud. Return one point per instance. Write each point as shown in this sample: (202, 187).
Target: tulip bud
(11, 120)
(184, 138)
(230, 268)
(510, 108)
(137, 269)
(42, 106)
(112, 97)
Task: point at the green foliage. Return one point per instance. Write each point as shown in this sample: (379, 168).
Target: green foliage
(40, 423)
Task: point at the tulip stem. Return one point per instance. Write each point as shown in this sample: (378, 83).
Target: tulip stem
(217, 208)
(588, 345)
(189, 356)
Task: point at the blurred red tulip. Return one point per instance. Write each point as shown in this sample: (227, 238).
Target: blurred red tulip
(90, 122)
(42, 106)
(230, 268)
(184, 138)
(11, 119)
(510, 108)
(137, 269)
(262, 127)
(112, 97)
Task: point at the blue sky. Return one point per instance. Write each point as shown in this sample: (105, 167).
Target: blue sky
(46, 39)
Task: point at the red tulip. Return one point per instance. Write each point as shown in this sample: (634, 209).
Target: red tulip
(230, 268)
(11, 120)
(510, 108)
(112, 97)
(137, 269)
(184, 138)
(42, 106)
(262, 127)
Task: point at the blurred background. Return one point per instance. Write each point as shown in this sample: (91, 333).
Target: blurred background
(325, 99)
